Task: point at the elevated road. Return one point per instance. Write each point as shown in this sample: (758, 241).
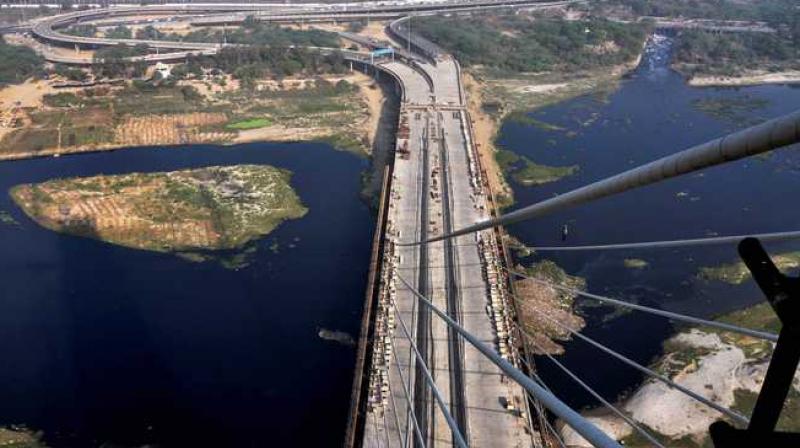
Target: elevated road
(436, 186)
(48, 29)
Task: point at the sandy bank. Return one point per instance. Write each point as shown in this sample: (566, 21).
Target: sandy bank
(717, 368)
(485, 128)
(755, 78)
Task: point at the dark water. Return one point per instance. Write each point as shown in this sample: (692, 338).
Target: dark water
(651, 115)
(102, 344)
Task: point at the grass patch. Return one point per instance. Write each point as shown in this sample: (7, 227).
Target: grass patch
(736, 273)
(528, 173)
(737, 110)
(760, 317)
(253, 123)
(527, 120)
(532, 173)
(506, 159)
(635, 263)
(347, 142)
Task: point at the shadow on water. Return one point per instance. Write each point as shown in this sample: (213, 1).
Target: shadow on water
(102, 344)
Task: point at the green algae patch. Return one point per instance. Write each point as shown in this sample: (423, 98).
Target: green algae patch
(526, 119)
(205, 209)
(532, 173)
(7, 219)
(635, 263)
(528, 173)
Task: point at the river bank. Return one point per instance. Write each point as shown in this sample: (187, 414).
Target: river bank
(751, 79)
(38, 120)
(723, 367)
(492, 100)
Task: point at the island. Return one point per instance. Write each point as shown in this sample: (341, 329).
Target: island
(528, 173)
(212, 208)
(635, 263)
(17, 436)
(736, 273)
(535, 300)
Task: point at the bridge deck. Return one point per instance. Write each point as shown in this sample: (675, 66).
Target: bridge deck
(433, 109)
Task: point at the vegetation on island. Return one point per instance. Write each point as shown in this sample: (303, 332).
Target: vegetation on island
(525, 118)
(635, 263)
(209, 208)
(518, 43)
(20, 437)
(529, 173)
(735, 109)
(18, 63)
(535, 300)
(736, 272)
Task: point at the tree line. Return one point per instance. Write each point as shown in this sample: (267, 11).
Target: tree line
(519, 44)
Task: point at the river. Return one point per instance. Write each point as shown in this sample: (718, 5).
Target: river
(102, 344)
(653, 113)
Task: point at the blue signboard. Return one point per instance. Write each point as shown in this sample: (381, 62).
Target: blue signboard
(382, 52)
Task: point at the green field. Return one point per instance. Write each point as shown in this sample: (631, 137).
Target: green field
(253, 123)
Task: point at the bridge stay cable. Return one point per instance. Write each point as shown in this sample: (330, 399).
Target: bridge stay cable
(402, 436)
(708, 241)
(458, 439)
(582, 426)
(655, 311)
(773, 134)
(544, 419)
(632, 423)
(647, 371)
(774, 236)
(409, 406)
(538, 379)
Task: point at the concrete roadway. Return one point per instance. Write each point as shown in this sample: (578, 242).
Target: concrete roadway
(433, 101)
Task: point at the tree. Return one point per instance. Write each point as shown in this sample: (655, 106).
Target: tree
(18, 63)
(149, 33)
(119, 32)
